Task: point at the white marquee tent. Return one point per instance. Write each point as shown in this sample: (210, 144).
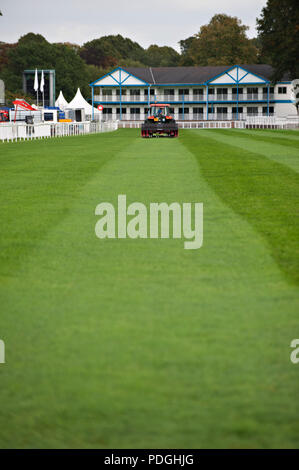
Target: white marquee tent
(61, 102)
(78, 102)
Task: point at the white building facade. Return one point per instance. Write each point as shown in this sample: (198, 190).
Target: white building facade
(195, 93)
(2, 92)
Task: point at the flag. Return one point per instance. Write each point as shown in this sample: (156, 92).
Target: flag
(42, 82)
(35, 81)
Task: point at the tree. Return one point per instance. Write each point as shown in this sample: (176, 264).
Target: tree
(221, 42)
(34, 51)
(108, 50)
(4, 49)
(261, 59)
(278, 29)
(186, 47)
(156, 56)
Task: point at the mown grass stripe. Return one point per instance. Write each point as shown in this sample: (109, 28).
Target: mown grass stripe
(259, 189)
(280, 153)
(40, 182)
(272, 134)
(281, 141)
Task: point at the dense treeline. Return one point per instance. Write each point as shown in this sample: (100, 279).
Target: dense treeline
(278, 33)
(77, 66)
(222, 41)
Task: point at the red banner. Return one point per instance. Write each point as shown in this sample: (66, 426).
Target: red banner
(22, 104)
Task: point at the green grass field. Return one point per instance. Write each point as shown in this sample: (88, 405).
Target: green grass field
(139, 343)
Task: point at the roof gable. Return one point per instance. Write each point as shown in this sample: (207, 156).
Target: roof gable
(118, 77)
(236, 75)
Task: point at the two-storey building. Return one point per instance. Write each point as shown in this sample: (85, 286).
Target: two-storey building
(194, 93)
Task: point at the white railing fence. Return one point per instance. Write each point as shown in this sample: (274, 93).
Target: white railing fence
(212, 125)
(288, 122)
(191, 125)
(264, 122)
(10, 132)
(129, 124)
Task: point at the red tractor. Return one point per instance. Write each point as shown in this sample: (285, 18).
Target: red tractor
(159, 122)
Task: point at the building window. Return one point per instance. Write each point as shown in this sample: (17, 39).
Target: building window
(252, 111)
(123, 92)
(234, 91)
(197, 110)
(252, 91)
(221, 91)
(211, 110)
(106, 92)
(211, 91)
(184, 91)
(198, 93)
(265, 110)
(135, 111)
(238, 110)
(271, 90)
(168, 92)
(282, 90)
(123, 110)
(135, 92)
(107, 111)
(183, 113)
(152, 92)
(171, 111)
(221, 110)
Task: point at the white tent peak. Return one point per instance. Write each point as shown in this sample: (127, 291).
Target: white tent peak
(78, 102)
(61, 102)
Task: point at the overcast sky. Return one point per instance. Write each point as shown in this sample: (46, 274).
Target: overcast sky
(162, 22)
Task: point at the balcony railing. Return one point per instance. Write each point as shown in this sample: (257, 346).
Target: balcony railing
(197, 97)
(221, 116)
(265, 96)
(241, 97)
(198, 117)
(220, 97)
(186, 98)
(143, 98)
(180, 98)
(252, 96)
(116, 98)
(235, 116)
(165, 98)
(105, 98)
(184, 117)
(177, 98)
(134, 98)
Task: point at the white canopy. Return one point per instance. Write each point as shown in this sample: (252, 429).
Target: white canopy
(61, 102)
(79, 102)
